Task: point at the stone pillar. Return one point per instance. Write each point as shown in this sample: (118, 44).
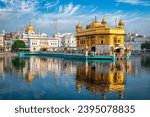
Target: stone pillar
(86, 53)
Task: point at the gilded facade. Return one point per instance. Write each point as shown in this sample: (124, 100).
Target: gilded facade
(99, 37)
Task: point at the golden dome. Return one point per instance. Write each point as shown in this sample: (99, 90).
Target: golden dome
(104, 21)
(94, 24)
(30, 77)
(79, 26)
(29, 29)
(121, 23)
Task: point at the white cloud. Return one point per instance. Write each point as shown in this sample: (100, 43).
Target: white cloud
(28, 5)
(93, 10)
(60, 9)
(129, 1)
(67, 23)
(74, 9)
(135, 2)
(70, 9)
(50, 3)
(19, 5)
(17, 17)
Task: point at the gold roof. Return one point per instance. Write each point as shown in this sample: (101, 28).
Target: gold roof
(29, 29)
(104, 21)
(94, 24)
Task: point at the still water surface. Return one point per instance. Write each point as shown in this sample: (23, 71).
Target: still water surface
(52, 78)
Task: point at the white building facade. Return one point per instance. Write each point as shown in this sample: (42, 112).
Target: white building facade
(9, 40)
(36, 41)
(135, 41)
(1, 42)
(66, 40)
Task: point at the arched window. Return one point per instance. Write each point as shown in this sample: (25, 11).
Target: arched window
(115, 39)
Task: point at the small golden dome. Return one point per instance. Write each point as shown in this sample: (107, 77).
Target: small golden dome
(79, 26)
(94, 25)
(30, 77)
(104, 21)
(121, 23)
(29, 29)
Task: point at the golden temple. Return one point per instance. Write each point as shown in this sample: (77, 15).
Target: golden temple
(100, 38)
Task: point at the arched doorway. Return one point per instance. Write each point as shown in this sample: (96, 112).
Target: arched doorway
(119, 50)
(43, 49)
(93, 49)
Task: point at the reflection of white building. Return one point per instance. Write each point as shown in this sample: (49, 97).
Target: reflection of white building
(66, 40)
(41, 66)
(2, 65)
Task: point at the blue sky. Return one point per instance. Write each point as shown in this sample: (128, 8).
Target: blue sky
(16, 14)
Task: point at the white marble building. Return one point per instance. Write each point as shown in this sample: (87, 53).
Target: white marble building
(66, 40)
(135, 40)
(2, 42)
(35, 40)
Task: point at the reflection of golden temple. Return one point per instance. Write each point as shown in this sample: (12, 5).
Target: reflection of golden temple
(96, 77)
(101, 78)
(30, 77)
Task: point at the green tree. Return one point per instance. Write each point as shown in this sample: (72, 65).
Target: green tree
(145, 45)
(18, 63)
(18, 44)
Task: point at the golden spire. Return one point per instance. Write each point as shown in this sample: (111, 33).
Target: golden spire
(121, 23)
(96, 19)
(115, 22)
(78, 25)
